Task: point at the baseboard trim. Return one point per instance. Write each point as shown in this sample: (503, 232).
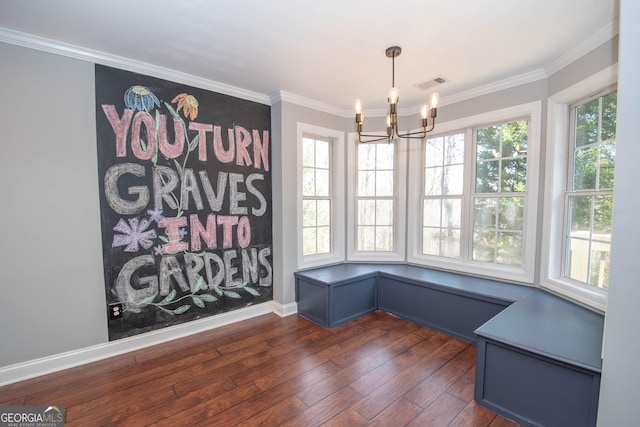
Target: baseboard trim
(285, 310)
(57, 362)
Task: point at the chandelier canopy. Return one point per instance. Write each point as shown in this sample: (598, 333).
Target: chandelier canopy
(428, 113)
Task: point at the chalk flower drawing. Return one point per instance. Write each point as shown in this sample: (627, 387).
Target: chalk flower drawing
(188, 104)
(140, 98)
(134, 234)
(155, 215)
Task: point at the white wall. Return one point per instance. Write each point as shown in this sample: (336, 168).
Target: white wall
(620, 371)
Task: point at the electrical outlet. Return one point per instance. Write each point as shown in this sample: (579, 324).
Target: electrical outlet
(115, 311)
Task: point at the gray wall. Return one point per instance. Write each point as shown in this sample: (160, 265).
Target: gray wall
(285, 208)
(51, 270)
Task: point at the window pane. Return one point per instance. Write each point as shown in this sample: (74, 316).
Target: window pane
(322, 182)
(366, 183)
(454, 149)
(452, 179)
(309, 213)
(511, 213)
(366, 156)
(433, 152)
(607, 165)
(384, 238)
(484, 213)
(487, 177)
(308, 152)
(308, 241)
(324, 240)
(366, 238)
(587, 123)
(580, 216)
(451, 213)
(600, 263)
(450, 243)
(323, 212)
(322, 154)
(509, 248)
(609, 111)
(514, 175)
(308, 182)
(384, 156)
(578, 259)
(514, 138)
(431, 213)
(586, 168)
(488, 143)
(431, 241)
(366, 212)
(384, 212)
(602, 217)
(384, 183)
(433, 181)
(484, 246)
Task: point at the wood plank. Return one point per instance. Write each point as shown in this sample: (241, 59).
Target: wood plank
(399, 413)
(441, 412)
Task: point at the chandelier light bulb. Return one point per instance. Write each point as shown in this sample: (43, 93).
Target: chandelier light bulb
(435, 97)
(393, 96)
(358, 107)
(424, 111)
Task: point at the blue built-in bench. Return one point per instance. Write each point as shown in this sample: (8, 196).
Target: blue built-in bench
(538, 356)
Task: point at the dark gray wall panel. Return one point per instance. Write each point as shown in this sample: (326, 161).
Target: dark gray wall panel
(454, 313)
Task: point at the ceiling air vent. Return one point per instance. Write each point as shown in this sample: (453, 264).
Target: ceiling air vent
(431, 83)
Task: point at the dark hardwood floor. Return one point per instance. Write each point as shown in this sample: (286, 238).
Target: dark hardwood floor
(376, 371)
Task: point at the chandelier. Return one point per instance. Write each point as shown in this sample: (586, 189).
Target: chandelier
(392, 117)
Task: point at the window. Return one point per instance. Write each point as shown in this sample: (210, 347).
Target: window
(375, 197)
(500, 186)
(321, 196)
(376, 217)
(477, 194)
(316, 203)
(589, 196)
(442, 196)
(579, 189)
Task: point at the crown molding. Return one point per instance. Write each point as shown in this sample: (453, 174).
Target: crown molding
(581, 49)
(497, 86)
(283, 96)
(77, 52)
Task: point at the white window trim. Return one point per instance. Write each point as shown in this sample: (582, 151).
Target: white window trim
(337, 196)
(556, 164)
(400, 214)
(524, 274)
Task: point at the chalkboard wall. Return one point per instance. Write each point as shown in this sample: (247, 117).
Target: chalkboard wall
(185, 199)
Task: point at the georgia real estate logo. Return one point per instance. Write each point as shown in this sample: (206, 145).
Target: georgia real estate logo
(31, 416)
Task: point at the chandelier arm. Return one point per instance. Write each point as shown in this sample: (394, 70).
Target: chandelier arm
(376, 138)
(420, 134)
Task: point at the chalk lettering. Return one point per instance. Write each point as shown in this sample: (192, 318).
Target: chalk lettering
(120, 127)
(146, 288)
(141, 149)
(171, 151)
(169, 267)
(173, 226)
(117, 203)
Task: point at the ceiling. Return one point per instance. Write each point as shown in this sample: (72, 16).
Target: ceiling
(329, 51)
